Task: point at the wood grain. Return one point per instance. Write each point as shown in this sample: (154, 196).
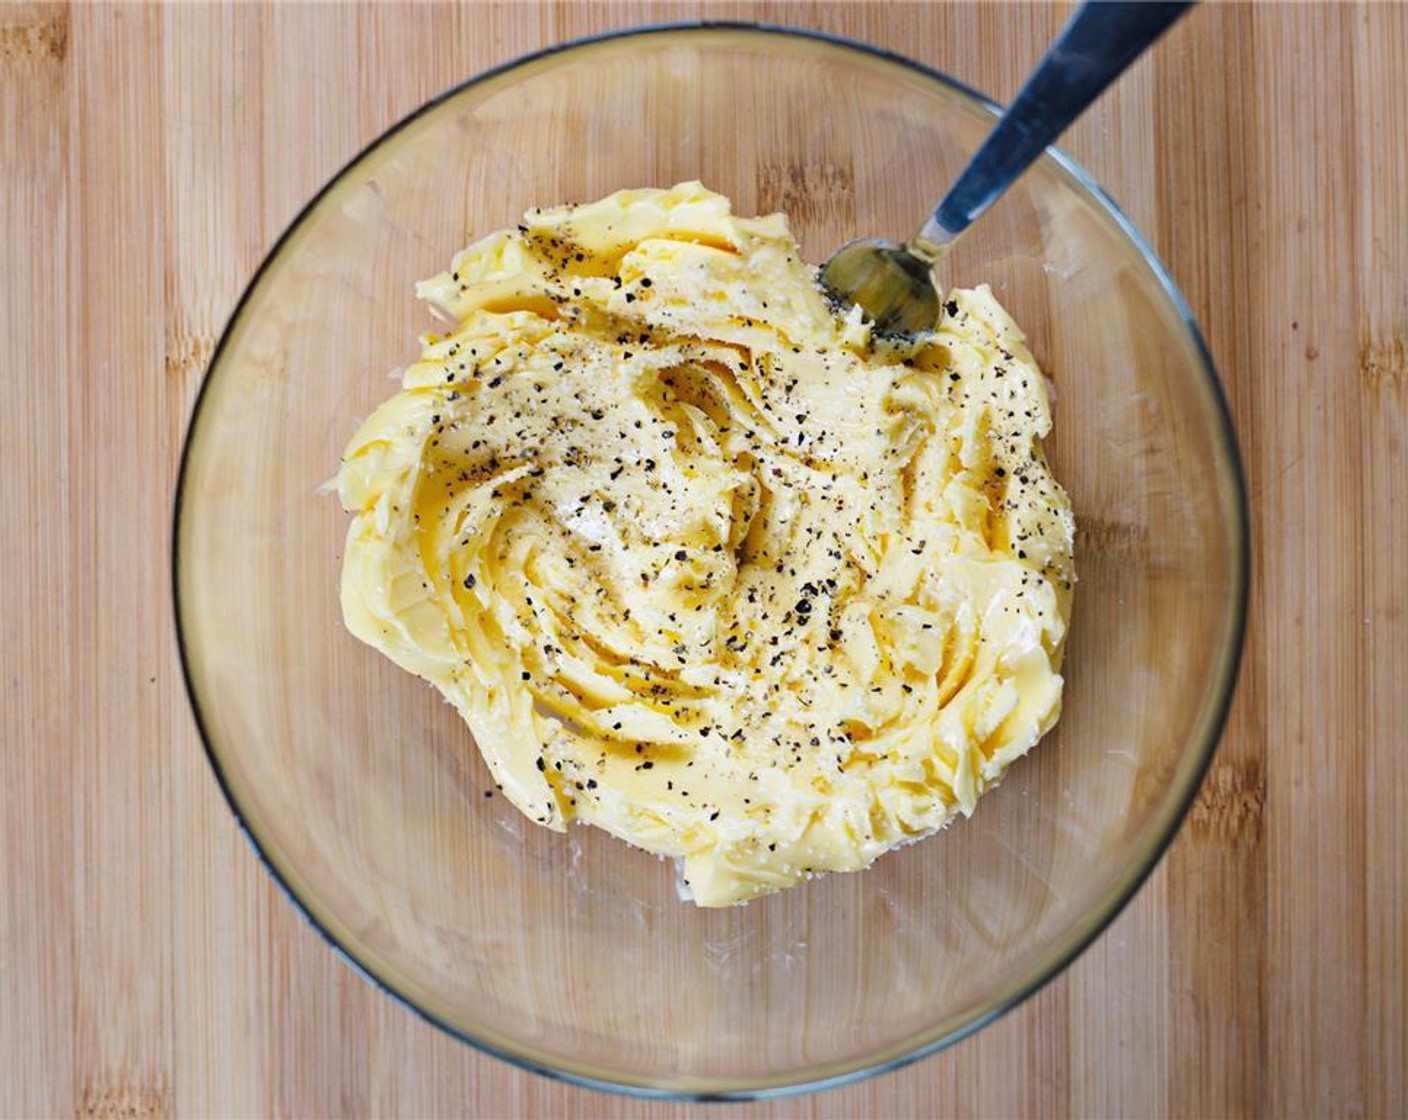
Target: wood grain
(149, 156)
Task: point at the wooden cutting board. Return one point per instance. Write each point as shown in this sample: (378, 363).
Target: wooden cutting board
(147, 965)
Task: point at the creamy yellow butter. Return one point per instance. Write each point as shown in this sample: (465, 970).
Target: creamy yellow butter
(698, 561)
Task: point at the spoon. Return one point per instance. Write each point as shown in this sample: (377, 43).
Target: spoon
(893, 283)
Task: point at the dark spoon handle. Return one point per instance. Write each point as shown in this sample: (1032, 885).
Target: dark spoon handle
(1099, 42)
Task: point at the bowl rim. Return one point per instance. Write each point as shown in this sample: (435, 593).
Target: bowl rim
(1084, 932)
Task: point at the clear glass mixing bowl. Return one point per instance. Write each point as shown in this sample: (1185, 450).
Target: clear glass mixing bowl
(572, 954)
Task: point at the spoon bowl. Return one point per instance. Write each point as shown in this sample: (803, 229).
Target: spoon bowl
(894, 284)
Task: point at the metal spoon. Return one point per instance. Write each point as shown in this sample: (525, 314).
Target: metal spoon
(894, 283)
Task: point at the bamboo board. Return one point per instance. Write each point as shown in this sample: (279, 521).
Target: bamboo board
(148, 966)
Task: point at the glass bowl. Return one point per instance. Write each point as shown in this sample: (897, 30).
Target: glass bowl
(572, 955)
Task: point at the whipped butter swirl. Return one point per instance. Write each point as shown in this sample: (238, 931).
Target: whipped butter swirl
(700, 562)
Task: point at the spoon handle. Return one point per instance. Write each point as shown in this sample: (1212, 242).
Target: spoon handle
(1101, 39)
